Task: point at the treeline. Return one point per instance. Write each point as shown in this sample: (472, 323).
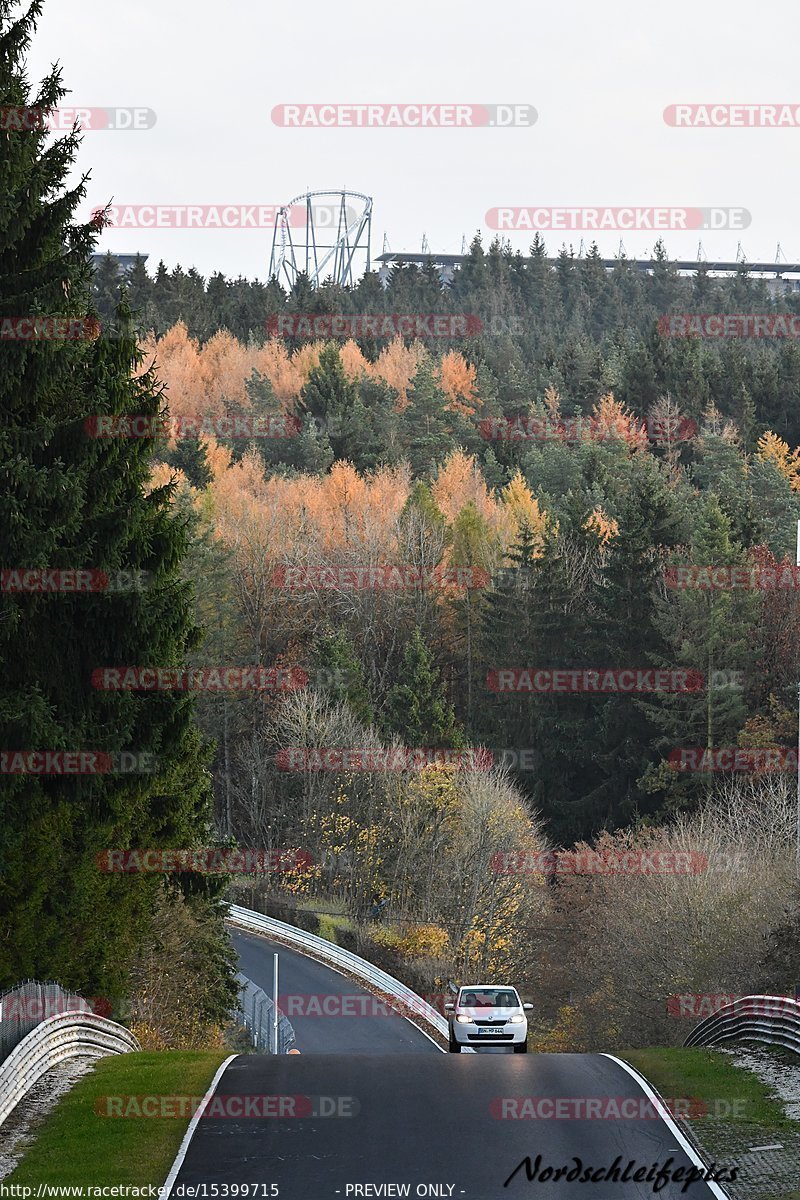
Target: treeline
(575, 327)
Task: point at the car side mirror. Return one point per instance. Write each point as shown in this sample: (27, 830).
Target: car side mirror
(451, 1007)
(528, 1007)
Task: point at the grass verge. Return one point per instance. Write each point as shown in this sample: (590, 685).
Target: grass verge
(76, 1146)
(737, 1113)
(722, 1090)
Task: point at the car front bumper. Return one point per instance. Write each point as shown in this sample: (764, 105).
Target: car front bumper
(491, 1035)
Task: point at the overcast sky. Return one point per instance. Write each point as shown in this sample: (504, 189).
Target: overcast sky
(598, 75)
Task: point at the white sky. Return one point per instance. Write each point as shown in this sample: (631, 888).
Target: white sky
(599, 76)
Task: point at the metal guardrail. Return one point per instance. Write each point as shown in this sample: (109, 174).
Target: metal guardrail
(409, 1002)
(32, 1001)
(53, 1041)
(774, 1020)
(257, 1012)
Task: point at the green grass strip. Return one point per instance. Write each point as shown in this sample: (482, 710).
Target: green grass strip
(727, 1092)
(75, 1145)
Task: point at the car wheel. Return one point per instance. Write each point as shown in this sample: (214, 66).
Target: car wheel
(521, 1047)
(453, 1046)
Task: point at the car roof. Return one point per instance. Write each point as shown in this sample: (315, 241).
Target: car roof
(489, 987)
(482, 987)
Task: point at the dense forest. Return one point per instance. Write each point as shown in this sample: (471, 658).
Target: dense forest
(577, 462)
(569, 490)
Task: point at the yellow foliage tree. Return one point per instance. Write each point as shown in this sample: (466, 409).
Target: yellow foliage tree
(180, 368)
(460, 481)
(458, 380)
(610, 419)
(773, 449)
(604, 526)
(397, 365)
(225, 364)
(273, 360)
(522, 508)
(353, 362)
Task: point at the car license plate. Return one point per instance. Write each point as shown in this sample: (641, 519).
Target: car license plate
(487, 1030)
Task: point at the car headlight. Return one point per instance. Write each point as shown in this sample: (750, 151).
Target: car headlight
(516, 1020)
(464, 1020)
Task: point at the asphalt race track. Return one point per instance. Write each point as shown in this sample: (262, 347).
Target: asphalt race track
(342, 1121)
(422, 1119)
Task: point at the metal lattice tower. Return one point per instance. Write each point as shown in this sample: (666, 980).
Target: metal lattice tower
(337, 234)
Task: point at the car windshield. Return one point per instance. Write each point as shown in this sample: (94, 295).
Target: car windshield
(489, 998)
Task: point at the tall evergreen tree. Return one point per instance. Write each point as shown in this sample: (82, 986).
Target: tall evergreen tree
(417, 708)
(338, 672)
(74, 501)
(472, 548)
(709, 631)
(425, 426)
(331, 398)
(106, 287)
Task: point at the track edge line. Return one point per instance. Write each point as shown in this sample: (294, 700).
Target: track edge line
(169, 1182)
(690, 1150)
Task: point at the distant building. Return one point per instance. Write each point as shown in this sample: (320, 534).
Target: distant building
(782, 287)
(124, 261)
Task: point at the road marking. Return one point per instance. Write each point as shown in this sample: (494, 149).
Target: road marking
(753, 1149)
(187, 1137)
(683, 1142)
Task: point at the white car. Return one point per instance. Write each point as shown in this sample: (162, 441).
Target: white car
(487, 1015)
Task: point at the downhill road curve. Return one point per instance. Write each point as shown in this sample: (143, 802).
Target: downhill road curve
(304, 977)
(372, 1108)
